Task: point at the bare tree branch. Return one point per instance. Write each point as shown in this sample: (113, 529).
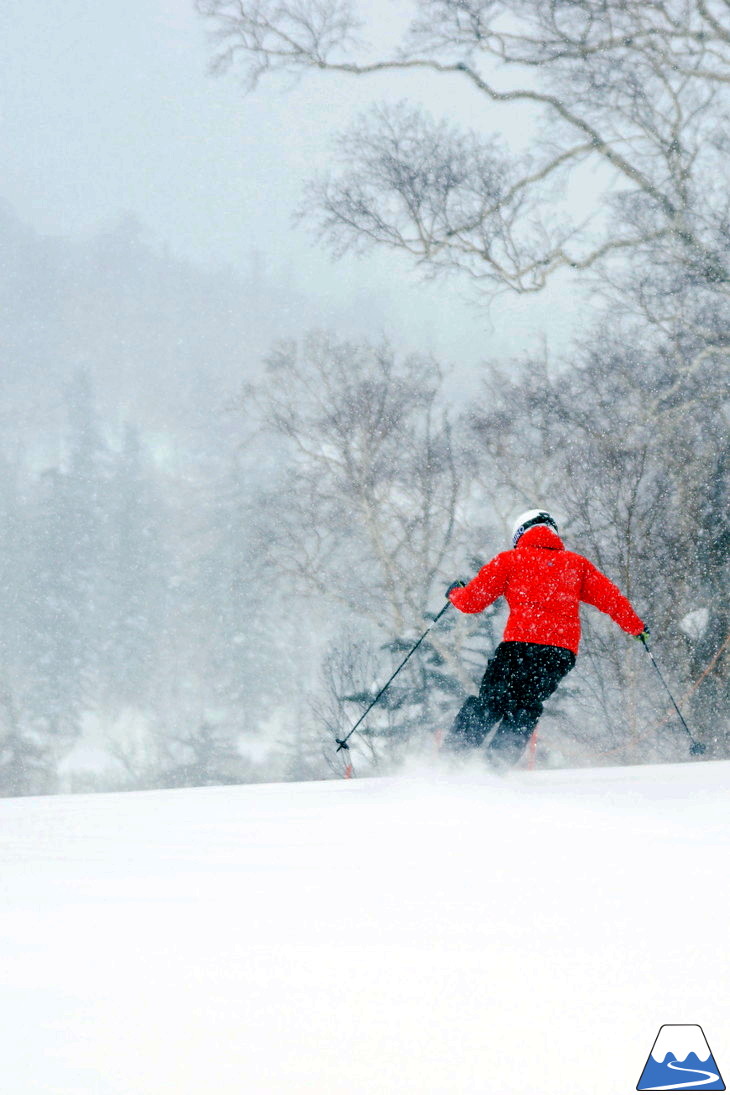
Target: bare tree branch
(629, 86)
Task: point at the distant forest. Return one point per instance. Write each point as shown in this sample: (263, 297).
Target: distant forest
(216, 542)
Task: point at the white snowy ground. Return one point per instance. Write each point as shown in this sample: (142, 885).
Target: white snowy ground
(431, 934)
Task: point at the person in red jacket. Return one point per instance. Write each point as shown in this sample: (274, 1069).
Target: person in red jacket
(544, 586)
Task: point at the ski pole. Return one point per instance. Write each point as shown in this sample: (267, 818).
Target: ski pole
(697, 748)
(342, 742)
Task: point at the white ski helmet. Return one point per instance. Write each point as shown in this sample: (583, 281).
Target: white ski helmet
(529, 519)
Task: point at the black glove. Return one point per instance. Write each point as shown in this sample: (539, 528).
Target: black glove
(458, 584)
(643, 635)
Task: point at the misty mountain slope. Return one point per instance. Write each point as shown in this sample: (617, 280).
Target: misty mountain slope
(442, 933)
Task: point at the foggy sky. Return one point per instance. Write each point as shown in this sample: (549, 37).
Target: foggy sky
(108, 109)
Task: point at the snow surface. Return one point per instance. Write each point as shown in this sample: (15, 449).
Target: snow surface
(441, 933)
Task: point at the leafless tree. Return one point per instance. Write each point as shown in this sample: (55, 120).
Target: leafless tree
(633, 91)
(630, 444)
(369, 517)
(368, 510)
(621, 178)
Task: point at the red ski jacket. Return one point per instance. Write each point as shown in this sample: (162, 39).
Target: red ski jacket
(544, 585)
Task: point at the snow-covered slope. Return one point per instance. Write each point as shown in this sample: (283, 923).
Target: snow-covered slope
(433, 934)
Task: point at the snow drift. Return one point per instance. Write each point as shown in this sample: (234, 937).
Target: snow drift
(442, 933)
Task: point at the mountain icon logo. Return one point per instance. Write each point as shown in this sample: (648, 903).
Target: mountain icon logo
(680, 1060)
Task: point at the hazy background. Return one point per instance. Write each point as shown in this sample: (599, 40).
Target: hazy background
(150, 261)
(108, 112)
(148, 246)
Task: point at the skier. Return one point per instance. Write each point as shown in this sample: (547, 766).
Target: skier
(543, 585)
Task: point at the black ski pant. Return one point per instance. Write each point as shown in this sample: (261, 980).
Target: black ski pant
(518, 680)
